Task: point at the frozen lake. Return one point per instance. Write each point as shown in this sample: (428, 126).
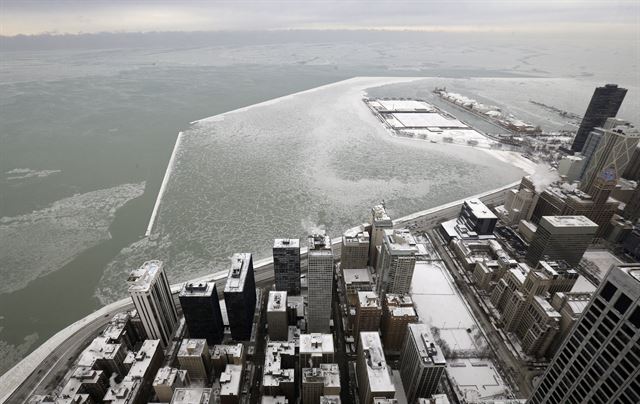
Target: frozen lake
(281, 168)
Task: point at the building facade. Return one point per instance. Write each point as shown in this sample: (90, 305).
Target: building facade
(421, 363)
(354, 252)
(604, 104)
(320, 276)
(600, 360)
(286, 265)
(151, 295)
(396, 262)
(561, 238)
(201, 308)
(240, 296)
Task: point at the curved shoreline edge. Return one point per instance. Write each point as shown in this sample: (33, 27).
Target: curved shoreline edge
(14, 377)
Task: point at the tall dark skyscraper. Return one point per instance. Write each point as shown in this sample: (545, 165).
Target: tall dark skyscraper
(201, 309)
(604, 104)
(240, 296)
(286, 265)
(599, 362)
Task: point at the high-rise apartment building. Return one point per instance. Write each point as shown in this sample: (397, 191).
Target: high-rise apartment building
(397, 312)
(477, 217)
(286, 265)
(396, 262)
(201, 308)
(421, 363)
(167, 380)
(151, 295)
(604, 104)
(354, 252)
(240, 296)
(320, 278)
(277, 318)
(611, 156)
(600, 360)
(380, 221)
(373, 373)
(561, 238)
(368, 312)
(278, 377)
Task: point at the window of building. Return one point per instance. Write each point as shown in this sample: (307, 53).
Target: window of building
(623, 303)
(608, 291)
(635, 318)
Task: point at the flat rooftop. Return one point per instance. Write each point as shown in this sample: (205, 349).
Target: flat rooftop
(379, 214)
(230, 380)
(378, 373)
(319, 243)
(479, 209)
(572, 222)
(198, 395)
(277, 301)
(368, 299)
(167, 376)
(193, 347)
(395, 105)
(316, 343)
(141, 279)
(286, 243)
(199, 289)
(430, 353)
(400, 241)
(236, 279)
(143, 359)
(356, 275)
(357, 238)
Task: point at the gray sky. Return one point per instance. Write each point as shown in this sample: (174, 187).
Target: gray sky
(89, 16)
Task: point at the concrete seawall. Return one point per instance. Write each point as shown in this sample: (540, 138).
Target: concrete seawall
(13, 378)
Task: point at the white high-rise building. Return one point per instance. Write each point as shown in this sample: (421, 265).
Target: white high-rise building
(599, 362)
(320, 282)
(610, 154)
(396, 262)
(380, 221)
(151, 295)
(422, 363)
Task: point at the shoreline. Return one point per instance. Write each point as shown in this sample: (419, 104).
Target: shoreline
(14, 377)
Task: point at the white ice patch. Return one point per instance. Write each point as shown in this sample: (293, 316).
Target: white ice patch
(23, 173)
(43, 241)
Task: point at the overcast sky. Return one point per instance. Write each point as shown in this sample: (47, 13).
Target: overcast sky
(90, 16)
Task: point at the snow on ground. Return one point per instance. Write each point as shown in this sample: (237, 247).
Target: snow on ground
(515, 159)
(583, 285)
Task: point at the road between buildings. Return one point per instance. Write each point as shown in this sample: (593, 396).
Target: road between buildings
(47, 364)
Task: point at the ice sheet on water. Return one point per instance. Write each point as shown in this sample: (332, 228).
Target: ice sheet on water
(43, 241)
(23, 173)
(267, 171)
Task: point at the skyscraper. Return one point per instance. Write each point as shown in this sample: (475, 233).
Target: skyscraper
(320, 275)
(604, 104)
(286, 265)
(421, 363)
(561, 238)
(397, 312)
(201, 309)
(632, 172)
(600, 359)
(240, 296)
(277, 318)
(368, 312)
(396, 262)
(380, 221)
(151, 295)
(374, 375)
(355, 250)
(611, 156)
(632, 210)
